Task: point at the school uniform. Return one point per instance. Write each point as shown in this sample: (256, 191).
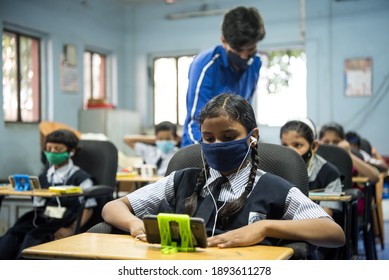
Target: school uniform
(152, 155)
(36, 227)
(324, 175)
(271, 198)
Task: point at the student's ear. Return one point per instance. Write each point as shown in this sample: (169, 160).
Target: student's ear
(315, 145)
(224, 42)
(255, 135)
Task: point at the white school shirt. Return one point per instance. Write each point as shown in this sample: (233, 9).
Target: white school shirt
(151, 154)
(147, 199)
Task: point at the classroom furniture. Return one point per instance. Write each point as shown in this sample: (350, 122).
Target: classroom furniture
(125, 247)
(19, 203)
(367, 220)
(342, 160)
(346, 252)
(273, 158)
(99, 159)
(113, 123)
(131, 182)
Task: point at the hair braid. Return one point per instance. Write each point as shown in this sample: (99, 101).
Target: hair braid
(190, 204)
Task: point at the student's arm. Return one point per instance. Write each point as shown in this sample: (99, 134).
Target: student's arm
(68, 231)
(320, 232)
(130, 140)
(119, 213)
(303, 220)
(364, 169)
(378, 160)
(201, 89)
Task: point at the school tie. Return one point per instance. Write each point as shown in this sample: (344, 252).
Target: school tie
(158, 163)
(208, 207)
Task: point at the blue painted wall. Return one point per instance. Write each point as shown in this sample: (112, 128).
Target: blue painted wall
(134, 33)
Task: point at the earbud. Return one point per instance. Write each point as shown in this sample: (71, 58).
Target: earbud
(253, 139)
(71, 154)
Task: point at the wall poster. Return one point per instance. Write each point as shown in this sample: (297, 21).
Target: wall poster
(358, 77)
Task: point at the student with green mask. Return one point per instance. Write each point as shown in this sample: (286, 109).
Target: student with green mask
(51, 218)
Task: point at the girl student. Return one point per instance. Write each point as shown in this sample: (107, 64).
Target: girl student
(253, 206)
(300, 135)
(333, 134)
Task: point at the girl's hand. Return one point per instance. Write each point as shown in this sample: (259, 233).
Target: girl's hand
(137, 229)
(244, 236)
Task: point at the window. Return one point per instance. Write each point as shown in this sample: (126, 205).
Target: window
(95, 77)
(281, 92)
(21, 77)
(170, 86)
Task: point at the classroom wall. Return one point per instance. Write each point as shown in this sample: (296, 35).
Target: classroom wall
(99, 25)
(135, 33)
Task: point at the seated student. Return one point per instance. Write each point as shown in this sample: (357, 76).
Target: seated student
(377, 161)
(39, 226)
(156, 150)
(253, 206)
(300, 135)
(333, 134)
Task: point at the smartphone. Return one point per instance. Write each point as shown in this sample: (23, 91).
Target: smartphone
(199, 235)
(34, 181)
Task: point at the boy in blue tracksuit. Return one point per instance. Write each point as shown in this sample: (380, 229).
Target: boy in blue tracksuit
(232, 66)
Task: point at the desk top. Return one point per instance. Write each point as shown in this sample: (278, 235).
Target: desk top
(8, 190)
(358, 179)
(137, 178)
(317, 197)
(121, 247)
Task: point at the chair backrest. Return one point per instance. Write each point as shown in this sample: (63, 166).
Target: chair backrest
(341, 159)
(273, 158)
(99, 159)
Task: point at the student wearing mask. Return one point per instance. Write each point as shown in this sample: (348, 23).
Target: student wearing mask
(158, 149)
(252, 207)
(300, 135)
(41, 225)
(232, 66)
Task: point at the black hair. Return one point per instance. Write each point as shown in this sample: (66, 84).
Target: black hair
(334, 127)
(166, 126)
(63, 136)
(353, 138)
(301, 128)
(242, 26)
(235, 108)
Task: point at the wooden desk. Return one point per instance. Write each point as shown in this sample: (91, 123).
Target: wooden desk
(346, 203)
(8, 190)
(125, 247)
(130, 182)
(360, 180)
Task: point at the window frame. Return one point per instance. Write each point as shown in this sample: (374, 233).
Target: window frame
(176, 56)
(38, 58)
(257, 98)
(103, 78)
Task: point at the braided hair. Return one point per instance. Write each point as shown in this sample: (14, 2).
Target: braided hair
(235, 108)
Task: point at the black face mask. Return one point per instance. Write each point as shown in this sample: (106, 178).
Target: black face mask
(239, 62)
(307, 155)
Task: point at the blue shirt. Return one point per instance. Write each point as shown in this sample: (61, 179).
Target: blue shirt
(211, 75)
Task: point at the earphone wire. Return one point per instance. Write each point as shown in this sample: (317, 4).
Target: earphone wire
(233, 182)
